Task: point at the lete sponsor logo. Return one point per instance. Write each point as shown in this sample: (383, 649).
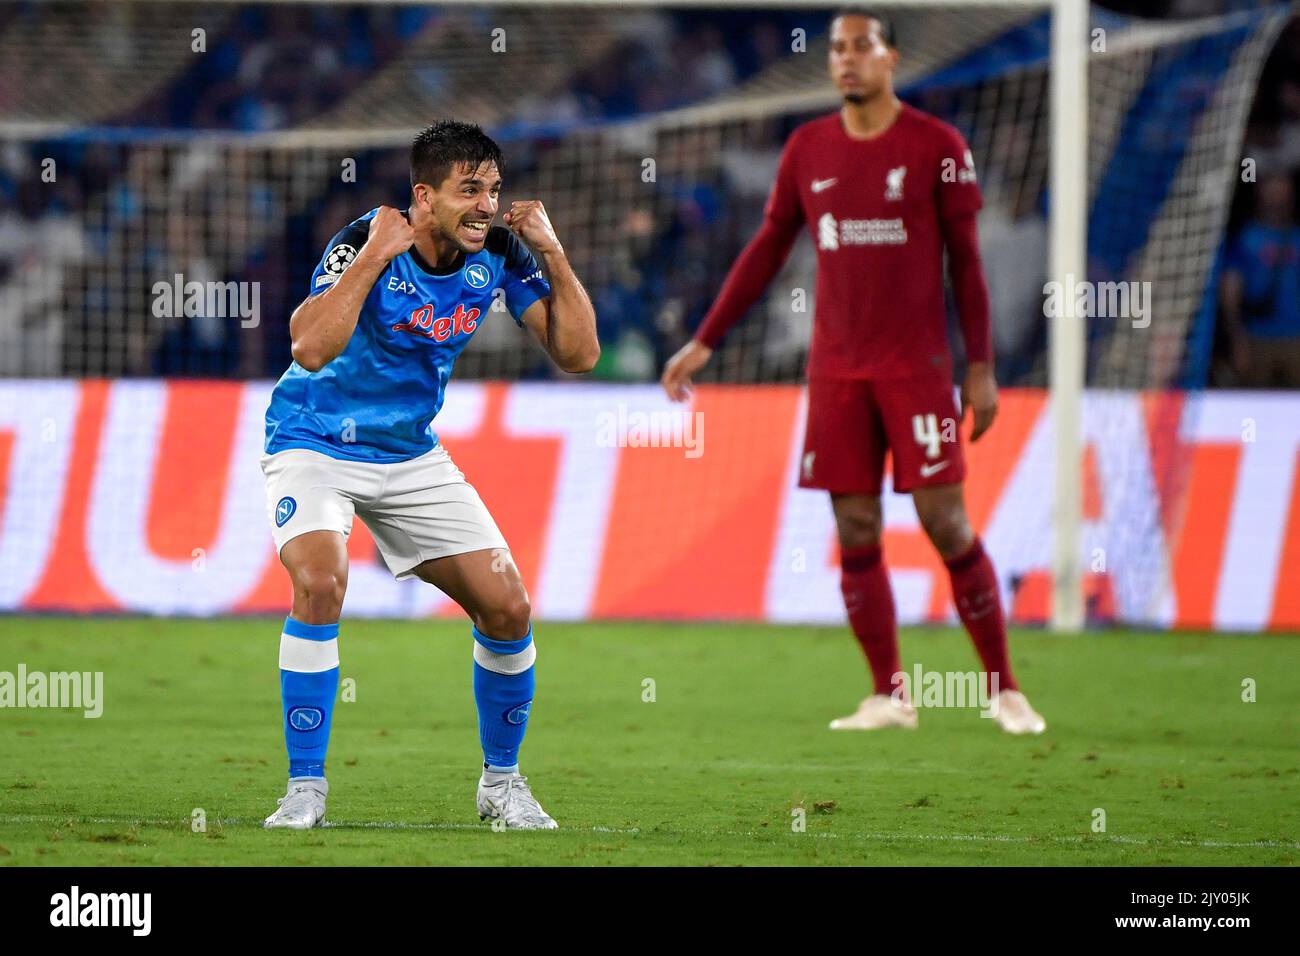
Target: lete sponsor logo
(461, 322)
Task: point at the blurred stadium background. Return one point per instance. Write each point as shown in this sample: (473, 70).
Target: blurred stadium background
(226, 142)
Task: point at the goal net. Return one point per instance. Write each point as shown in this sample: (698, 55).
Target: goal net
(103, 205)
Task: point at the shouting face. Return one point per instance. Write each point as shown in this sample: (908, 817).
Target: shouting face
(463, 206)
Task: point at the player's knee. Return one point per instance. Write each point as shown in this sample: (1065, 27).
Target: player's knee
(507, 620)
(318, 595)
(859, 528)
(948, 530)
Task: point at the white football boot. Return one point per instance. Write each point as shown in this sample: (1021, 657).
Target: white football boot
(509, 800)
(1014, 715)
(876, 712)
(302, 807)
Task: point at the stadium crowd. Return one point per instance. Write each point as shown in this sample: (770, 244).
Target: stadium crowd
(1258, 335)
(273, 68)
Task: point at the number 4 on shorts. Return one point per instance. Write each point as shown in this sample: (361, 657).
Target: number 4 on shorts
(925, 428)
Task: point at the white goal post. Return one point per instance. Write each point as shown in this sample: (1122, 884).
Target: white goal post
(1067, 252)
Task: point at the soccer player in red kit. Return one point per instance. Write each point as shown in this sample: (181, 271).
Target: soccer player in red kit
(883, 189)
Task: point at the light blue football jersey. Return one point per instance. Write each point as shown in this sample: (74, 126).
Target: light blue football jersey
(376, 401)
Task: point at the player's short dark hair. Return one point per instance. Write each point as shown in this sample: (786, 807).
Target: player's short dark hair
(886, 25)
(442, 146)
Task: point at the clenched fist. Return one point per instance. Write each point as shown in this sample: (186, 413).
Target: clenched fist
(527, 219)
(390, 234)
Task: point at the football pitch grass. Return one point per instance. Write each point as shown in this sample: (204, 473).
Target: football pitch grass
(1150, 729)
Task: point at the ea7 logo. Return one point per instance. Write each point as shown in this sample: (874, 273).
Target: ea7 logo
(422, 322)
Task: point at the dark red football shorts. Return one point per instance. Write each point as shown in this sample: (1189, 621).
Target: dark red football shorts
(851, 423)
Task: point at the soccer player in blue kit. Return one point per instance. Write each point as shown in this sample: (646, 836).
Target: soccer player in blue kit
(394, 299)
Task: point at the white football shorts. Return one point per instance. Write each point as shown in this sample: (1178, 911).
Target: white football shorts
(416, 510)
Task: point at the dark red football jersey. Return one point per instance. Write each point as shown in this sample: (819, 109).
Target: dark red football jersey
(876, 210)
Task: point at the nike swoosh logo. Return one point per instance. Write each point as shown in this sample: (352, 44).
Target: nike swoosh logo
(819, 184)
(928, 470)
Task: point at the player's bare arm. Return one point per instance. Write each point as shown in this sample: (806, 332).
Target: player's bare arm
(322, 325)
(564, 323)
(979, 389)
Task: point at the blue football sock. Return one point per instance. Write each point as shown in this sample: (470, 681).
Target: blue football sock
(309, 680)
(503, 692)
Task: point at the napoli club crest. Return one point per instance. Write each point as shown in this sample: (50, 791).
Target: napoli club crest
(284, 510)
(477, 276)
(519, 714)
(305, 718)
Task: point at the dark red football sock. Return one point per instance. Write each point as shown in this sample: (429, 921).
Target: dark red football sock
(979, 605)
(870, 603)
